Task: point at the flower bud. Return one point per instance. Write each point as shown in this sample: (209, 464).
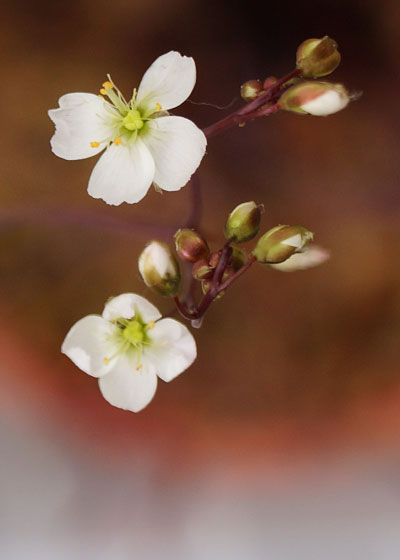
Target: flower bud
(190, 246)
(159, 269)
(315, 98)
(206, 285)
(269, 82)
(201, 270)
(213, 260)
(228, 273)
(251, 89)
(243, 222)
(317, 57)
(238, 258)
(280, 243)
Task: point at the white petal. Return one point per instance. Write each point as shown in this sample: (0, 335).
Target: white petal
(294, 241)
(173, 348)
(312, 256)
(124, 173)
(125, 306)
(87, 344)
(169, 81)
(128, 387)
(177, 146)
(157, 256)
(79, 121)
(326, 104)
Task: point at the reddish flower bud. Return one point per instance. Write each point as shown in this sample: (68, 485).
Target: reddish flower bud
(213, 260)
(190, 246)
(269, 82)
(251, 89)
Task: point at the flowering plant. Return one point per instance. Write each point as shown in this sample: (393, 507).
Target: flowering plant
(129, 346)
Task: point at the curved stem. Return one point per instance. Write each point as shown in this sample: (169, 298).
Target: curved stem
(194, 218)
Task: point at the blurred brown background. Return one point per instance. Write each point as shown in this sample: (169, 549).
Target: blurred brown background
(295, 371)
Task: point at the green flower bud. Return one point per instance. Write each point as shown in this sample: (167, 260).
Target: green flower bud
(280, 243)
(315, 98)
(317, 57)
(243, 222)
(251, 89)
(201, 270)
(159, 269)
(190, 246)
(238, 258)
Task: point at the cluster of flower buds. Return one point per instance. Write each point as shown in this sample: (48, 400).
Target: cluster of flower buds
(193, 248)
(303, 93)
(251, 89)
(159, 267)
(275, 246)
(315, 58)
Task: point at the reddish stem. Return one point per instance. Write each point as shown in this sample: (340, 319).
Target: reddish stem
(250, 111)
(241, 271)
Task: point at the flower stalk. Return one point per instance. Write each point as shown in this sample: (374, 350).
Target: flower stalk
(255, 108)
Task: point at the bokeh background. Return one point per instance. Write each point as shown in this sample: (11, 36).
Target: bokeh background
(283, 439)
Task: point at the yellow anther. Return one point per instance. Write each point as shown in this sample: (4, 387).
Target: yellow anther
(118, 141)
(107, 84)
(106, 361)
(103, 91)
(158, 106)
(152, 324)
(94, 144)
(139, 367)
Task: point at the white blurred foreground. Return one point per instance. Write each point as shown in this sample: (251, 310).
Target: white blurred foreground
(59, 503)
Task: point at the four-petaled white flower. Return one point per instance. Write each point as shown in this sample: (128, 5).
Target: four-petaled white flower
(144, 143)
(127, 348)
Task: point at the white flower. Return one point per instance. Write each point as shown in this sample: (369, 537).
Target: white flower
(312, 255)
(127, 348)
(144, 143)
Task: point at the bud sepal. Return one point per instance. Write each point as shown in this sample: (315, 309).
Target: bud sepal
(280, 243)
(317, 57)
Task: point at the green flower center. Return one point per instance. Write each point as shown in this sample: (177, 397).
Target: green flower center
(135, 332)
(133, 120)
